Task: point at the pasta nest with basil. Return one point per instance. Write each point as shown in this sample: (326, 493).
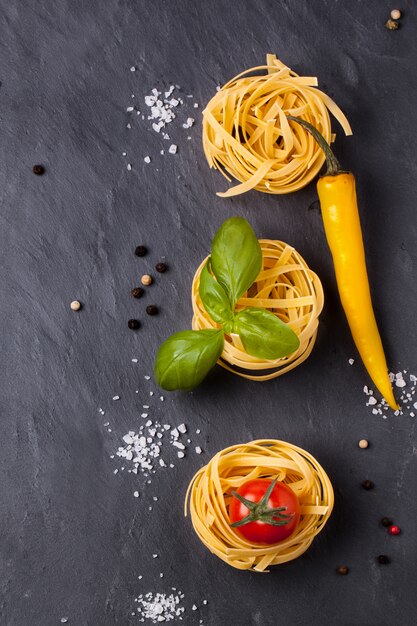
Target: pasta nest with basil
(285, 286)
(247, 136)
(209, 494)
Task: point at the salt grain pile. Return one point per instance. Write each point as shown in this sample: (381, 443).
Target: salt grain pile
(161, 109)
(400, 381)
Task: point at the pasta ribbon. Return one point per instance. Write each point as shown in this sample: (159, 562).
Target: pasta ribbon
(247, 136)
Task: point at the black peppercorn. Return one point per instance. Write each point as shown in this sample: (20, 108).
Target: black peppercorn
(141, 251)
(342, 570)
(161, 268)
(133, 324)
(38, 170)
(151, 309)
(382, 559)
(137, 292)
(386, 522)
(368, 484)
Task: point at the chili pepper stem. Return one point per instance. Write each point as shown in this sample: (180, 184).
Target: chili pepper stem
(333, 165)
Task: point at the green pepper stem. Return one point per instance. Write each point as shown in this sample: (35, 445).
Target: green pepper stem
(333, 165)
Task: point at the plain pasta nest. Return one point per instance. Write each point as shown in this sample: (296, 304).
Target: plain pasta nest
(247, 136)
(208, 497)
(287, 287)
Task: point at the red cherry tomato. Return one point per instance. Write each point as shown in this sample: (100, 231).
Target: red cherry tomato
(261, 531)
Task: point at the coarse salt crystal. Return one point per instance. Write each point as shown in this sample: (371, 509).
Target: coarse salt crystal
(198, 450)
(180, 454)
(182, 428)
(129, 167)
(351, 361)
(136, 494)
(133, 68)
(172, 149)
(147, 159)
(130, 109)
(134, 360)
(116, 397)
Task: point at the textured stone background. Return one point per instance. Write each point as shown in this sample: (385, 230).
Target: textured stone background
(73, 538)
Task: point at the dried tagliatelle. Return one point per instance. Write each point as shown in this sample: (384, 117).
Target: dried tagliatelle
(210, 492)
(247, 136)
(287, 287)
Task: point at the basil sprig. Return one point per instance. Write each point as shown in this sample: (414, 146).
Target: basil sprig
(185, 359)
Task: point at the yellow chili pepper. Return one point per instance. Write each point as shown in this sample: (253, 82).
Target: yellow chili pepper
(339, 208)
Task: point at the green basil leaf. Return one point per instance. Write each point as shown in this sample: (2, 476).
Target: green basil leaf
(185, 359)
(264, 335)
(236, 257)
(215, 298)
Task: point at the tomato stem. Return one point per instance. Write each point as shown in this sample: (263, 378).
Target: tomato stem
(260, 512)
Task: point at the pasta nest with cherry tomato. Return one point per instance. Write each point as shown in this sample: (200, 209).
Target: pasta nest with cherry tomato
(211, 490)
(287, 287)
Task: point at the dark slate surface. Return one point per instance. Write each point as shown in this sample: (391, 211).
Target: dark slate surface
(74, 539)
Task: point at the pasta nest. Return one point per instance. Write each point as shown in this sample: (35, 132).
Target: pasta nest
(208, 496)
(247, 136)
(287, 287)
